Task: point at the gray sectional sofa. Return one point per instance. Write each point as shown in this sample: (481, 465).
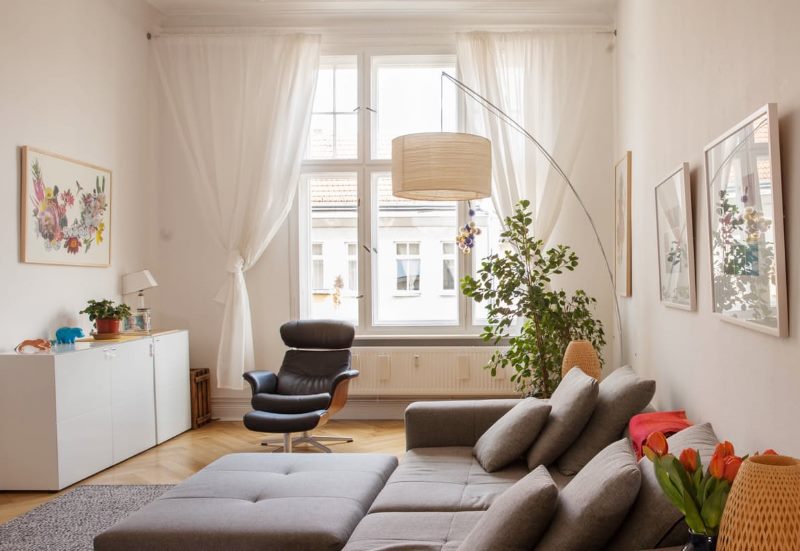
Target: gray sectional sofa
(437, 496)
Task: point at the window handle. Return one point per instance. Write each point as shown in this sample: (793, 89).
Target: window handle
(370, 109)
(370, 251)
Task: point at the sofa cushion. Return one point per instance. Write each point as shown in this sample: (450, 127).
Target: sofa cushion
(433, 531)
(652, 516)
(593, 505)
(621, 395)
(518, 518)
(572, 405)
(511, 435)
(444, 479)
(257, 501)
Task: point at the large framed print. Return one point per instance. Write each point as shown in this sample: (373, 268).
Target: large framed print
(676, 272)
(743, 180)
(622, 223)
(65, 211)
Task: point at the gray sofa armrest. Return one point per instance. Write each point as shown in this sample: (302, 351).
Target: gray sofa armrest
(452, 422)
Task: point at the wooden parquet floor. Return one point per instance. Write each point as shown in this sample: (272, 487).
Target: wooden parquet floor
(179, 458)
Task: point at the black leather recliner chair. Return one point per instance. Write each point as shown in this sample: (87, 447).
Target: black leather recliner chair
(311, 385)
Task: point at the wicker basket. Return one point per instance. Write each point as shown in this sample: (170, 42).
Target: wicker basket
(583, 355)
(763, 509)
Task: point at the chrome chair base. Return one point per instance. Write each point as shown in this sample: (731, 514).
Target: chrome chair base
(287, 443)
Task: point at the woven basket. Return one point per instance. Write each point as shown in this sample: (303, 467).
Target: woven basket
(583, 355)
(763, 509)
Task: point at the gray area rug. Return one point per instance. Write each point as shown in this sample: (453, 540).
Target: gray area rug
(71, 521)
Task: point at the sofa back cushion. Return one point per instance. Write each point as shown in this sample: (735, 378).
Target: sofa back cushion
(652, 516)
(621, 396)
(518, 518)
(572, 405)
(592, 507)
(511, 435)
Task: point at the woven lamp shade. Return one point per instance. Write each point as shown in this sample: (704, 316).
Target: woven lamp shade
(441, 166)
(583, 355)
(763, 509)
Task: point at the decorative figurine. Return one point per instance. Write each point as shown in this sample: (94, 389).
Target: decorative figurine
(67, 335)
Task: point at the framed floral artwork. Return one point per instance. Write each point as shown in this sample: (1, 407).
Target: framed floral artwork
(743, 179)
(65, 214)
(622, 224)
(676, 240)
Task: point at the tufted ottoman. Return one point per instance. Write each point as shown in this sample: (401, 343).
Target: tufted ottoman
(252, 501)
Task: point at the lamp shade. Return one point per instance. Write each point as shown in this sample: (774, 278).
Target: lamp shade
(763, 509)
(441, 166)
(137, 281)
(581, 354)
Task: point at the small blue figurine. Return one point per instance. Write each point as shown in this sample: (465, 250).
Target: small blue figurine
(67, 335)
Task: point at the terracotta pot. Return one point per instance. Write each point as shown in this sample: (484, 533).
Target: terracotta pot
(107, 325)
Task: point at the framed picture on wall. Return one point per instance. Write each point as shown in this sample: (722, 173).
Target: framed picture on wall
(622, 224)
(743, 180)
(65, 211)
(676, 271)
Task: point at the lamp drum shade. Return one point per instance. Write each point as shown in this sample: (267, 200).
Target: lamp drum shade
(763, 508)
(441, 166)
(581, 354)
(137, 281)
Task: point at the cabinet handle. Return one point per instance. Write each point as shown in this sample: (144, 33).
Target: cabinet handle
(111, 353)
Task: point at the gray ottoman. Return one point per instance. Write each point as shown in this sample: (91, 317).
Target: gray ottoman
(258, 501)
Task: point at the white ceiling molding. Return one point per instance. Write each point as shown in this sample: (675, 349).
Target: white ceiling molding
(379, 17)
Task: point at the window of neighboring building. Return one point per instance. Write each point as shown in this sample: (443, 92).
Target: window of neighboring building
(407, 261)
(448, 266)
(352, 267)
(317, 266)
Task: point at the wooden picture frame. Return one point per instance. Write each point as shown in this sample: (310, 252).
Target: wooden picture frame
(65, 210)
(622, 225)
(745, 224)
(675, 234)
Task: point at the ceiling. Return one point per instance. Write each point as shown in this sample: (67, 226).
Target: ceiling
(430, 13)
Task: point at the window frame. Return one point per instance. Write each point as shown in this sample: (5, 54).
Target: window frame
(364, 167)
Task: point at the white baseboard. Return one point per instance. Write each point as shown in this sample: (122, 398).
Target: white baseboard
(357, 408)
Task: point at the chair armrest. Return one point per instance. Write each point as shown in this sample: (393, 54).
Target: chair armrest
(343, 376)
(452, 422)
(261, 381)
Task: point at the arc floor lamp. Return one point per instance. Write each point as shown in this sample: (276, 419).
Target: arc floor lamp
(455, 166)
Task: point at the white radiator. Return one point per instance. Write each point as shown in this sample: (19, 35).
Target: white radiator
(428, 371)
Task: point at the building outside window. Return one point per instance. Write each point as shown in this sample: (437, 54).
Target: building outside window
(407, 262)
(317, 267)
(449, 273)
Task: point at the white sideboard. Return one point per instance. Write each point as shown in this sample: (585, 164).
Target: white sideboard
(74, 411)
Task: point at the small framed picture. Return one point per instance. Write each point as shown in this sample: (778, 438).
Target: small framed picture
(676, 273)
(138, 322)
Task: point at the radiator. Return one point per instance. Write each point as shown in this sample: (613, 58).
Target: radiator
(428, 371)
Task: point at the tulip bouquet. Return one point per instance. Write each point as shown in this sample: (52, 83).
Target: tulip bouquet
(699, 495)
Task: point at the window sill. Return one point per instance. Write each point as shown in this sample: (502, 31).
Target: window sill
(367, 341)
(400, 294)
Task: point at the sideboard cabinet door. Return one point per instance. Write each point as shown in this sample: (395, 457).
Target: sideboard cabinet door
(171, 362)
(132, 398)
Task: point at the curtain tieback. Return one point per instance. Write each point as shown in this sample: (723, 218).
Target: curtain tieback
(235, 267)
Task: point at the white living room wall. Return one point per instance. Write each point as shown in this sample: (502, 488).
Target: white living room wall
(686, 72)
(75, 81)
(191, 263)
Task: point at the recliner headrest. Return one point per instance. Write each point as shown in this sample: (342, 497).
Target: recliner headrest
(318, 334)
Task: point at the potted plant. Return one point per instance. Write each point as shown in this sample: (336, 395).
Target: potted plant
(517, 286)
(106, 315)
(700, 496)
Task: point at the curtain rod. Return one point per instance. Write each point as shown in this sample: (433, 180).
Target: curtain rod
(266, 32)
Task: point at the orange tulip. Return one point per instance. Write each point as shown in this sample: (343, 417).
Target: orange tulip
(770, 452)
(690, 459)
(717, 466)
(657, 442)
(724, 449)
(732, 464)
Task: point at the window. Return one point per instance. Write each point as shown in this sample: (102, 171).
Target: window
(448, 266)
(352, 267)
(318, 267)
(388, 264)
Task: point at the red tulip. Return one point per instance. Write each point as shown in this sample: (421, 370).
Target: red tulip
(690, 459)
(717, 466)
(770, 452)
(724, 449)
(657, 442)
(732, 464)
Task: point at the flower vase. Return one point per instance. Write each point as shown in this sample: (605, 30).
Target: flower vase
(700, 542)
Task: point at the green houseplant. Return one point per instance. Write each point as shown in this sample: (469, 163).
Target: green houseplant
(106, 315)
(516, 286)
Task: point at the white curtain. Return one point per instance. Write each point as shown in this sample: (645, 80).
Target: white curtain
(242, 105)
(541, 80)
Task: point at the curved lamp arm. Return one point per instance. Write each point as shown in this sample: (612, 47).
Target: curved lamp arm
(503, 116)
